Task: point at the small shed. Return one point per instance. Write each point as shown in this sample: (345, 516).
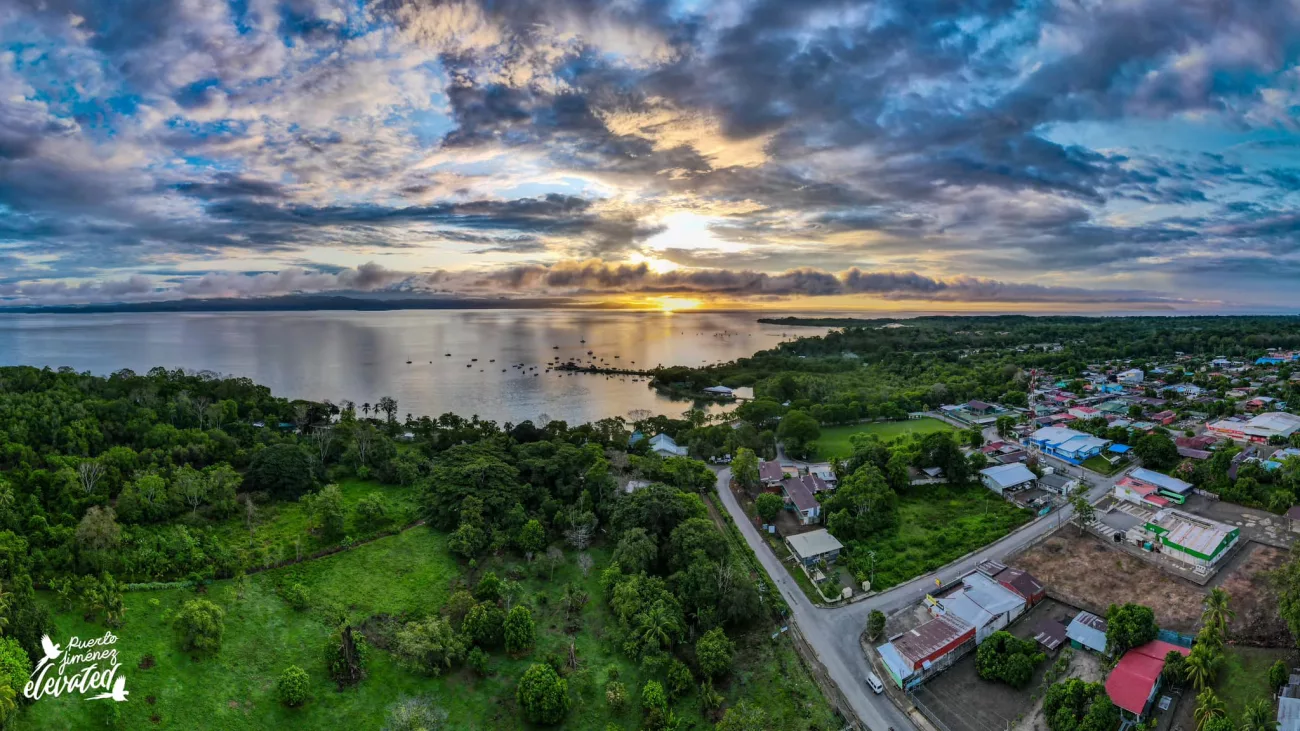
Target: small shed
(1087, 631)
(1050, 634)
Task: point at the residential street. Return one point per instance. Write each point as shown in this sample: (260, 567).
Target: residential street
(833, 632)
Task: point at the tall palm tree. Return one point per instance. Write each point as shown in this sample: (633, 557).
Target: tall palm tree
(1259, 717)
(1208, 706)
(1202, 667)
(365, 409)
(1216, 613)
(657, 625)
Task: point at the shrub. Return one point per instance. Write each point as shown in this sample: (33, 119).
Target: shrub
(768, 505)
(457, 606)
(680, 681)
(488, 588)
(1007, 658)
(713, 652)
(415, 714)
(371, 512)
(543, 695)
(477, 660)
(1278, 675)
(292, 686)
(296, 596)
(519, 630)
(201, 624)
(484, 625)
(616, 695)
(1074, 705)
(15, 672)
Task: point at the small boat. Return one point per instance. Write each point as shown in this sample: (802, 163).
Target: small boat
(493, 360)
(588, 352)
(503, 370)
(447, 354)
(408, 362)
(468, 365)
(473, 360)
(583, 341)
(555, 347)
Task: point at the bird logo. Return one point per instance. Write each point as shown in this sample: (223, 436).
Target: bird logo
(119, 693)
(52, 652)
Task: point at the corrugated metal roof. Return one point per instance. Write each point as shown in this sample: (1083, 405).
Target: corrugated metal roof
(1160, 480)
(920, 643)
(814, 543)
(1088, 630)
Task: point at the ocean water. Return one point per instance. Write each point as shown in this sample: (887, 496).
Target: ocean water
(362, 356)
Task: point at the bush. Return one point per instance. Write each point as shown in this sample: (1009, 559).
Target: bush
(768, 505)
(713, 652)
(1078, 706)
(292, 686)
(200, 624)
(1278, 675)
(488, 588)
(616, 695)
(1007, 658)
(477, 660)
(371, 512)
(543, 695)
(296, 596)
(680, 681)
(15, 672)
(415, 714)
(519, 630)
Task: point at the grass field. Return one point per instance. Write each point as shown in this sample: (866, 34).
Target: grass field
(937, 524)
(405, 575)
(1098, 464)
(1244, 676)
(280, 528)
(834, 441)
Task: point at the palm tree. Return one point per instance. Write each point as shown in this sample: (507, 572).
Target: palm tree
(1202, 667)
(657, 625)
(1216, 613)
(4, 610)
(365, 409)
(8, 700)
(1208, 706)
(1259, 717)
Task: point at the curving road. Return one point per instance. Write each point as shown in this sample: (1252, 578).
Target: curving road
(833, 631)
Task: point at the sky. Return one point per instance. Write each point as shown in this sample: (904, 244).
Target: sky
(892, 155)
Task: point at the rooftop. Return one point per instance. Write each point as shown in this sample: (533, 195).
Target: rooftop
(1129, 685)
(1159, 480)
(920, 643)
(1009, 475)
(814, 543)
(799, 494)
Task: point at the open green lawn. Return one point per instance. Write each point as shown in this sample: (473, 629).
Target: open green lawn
(403, 575)
(1244, 677)
(937, 524)
(1098, 464)
(834, 441)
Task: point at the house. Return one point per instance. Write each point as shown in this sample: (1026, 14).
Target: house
(1259, 429)
(825, 476)
(634, 485)
(815, 546)
(1087, 631)
(1067, 444)
(799, 496)
(919, 653)
(979, 408)
(770, 473)
(1133, 684)
(1084, 412)
(1192, 539)
(664, 446)
(1144, 485)
(1017, 580)
(1007, 477)
(1164, 417)
(1131, 377)
(1205, 441)
(980, 602)
(718, 391)
(1197, 454)
(1059, 484)
(1259, 403)
(1288, 706)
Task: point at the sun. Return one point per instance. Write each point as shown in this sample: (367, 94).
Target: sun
(672, 304)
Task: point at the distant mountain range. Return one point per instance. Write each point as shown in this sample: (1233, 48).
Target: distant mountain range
(298, 303)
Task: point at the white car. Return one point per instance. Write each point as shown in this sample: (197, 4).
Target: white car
(875, 683)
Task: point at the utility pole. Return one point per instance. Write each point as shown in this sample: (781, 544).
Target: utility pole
(872, 554)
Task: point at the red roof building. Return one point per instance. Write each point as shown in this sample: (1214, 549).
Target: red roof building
(1132, 685)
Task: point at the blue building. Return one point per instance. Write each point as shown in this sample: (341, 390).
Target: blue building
(1067, 444)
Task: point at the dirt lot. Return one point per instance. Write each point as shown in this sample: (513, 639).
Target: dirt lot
(1090, 574)
(964, 702)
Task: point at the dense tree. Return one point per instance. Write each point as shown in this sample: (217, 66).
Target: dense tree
(863, 504)
(875, 625)
(1157, 451)
(15, 673)
(543, 695)
(1006, 658)
(532, 538)
(200, 624)
(1175, 670)
(1075, 705)
(345, 656)
(470, 470)
(371, 512)
(283, 470)
(743, 717)
(519, 630)
(658, 509)
(797, 432)
(713, 653)
(484, 625)
(327, 512)
(488, 588)
(429, 646)
(744, 468)
(693, 539)
(768, 505)
(1128, 626)
(1278, 674)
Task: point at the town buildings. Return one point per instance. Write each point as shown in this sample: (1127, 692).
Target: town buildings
(1067, 444)
(1005, 478)
(1259, 429)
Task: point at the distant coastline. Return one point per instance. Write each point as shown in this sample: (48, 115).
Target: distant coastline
(292, 303)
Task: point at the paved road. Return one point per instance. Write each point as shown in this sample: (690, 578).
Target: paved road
(833, 632)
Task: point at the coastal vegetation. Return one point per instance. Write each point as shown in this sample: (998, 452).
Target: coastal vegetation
(276, 563)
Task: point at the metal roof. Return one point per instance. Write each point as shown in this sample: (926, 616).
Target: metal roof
(1009, 475)
(1191, 532)
(814, 543)
(1159, 480)
(799, 494)
(920, 643)
(1088, 630)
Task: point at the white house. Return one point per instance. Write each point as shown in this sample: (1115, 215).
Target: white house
(1131, 377)
(1006, 477)
(719, 391)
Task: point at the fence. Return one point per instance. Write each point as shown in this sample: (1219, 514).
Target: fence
(1174, 638)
